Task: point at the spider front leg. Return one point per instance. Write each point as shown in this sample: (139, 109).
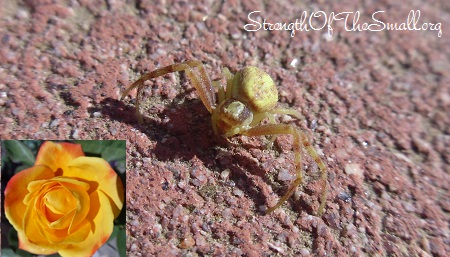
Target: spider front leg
(200, 80)
(300, 139)
(270, 115)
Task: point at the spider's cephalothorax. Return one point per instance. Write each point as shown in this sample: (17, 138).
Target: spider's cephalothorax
(231, 117)
(251, 92)
(250, 97)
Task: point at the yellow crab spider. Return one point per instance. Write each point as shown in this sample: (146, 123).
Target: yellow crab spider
(250, 96)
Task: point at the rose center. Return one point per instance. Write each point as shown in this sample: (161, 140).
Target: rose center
(58, 202)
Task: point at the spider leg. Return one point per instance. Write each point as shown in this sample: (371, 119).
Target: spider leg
(230, 82)
(290, 112)
(271, 116)
(200, 80)
(300, 139)
(258, 117)
(287, 111)
(221, 90)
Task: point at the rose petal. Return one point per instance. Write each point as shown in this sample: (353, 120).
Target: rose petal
(38, 230)
(16, 190)
(62, 222)
(59, 201)
(37, 233)
(102, 216)
(73, 196)
(56, 156)
(80, 192)
(72, 181)
(99, 171)
(26, 245)
(32, 225)
(80, 234)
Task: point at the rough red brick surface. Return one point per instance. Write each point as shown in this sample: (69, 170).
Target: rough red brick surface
(375, 104)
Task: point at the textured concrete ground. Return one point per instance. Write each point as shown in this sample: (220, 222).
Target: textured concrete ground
(375, 104)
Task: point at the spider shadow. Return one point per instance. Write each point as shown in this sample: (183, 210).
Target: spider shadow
(183, 130)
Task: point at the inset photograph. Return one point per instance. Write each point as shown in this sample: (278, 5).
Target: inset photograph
(63, 198)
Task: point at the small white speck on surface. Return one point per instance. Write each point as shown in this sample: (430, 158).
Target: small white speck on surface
(235, 35)
(54, 123)
(327, 37)
(284, 175)
(355, 169)
(133, 247)
(313, 124)
(75, 134)
(113, 131)
(262, 208)
(196, 182)
(294, 62)
(238, 192)
(237, 251)
(134, 223)
(286, 118)
(22, 14)
(275, 247)
(182, 184)
(304, 252)
(15, 111)
(225, 173)
(200, 25)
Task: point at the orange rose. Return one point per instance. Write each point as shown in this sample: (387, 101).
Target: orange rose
(65, 203)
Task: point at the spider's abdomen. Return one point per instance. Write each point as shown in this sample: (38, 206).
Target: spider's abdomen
(256, 88)
(232, 117)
